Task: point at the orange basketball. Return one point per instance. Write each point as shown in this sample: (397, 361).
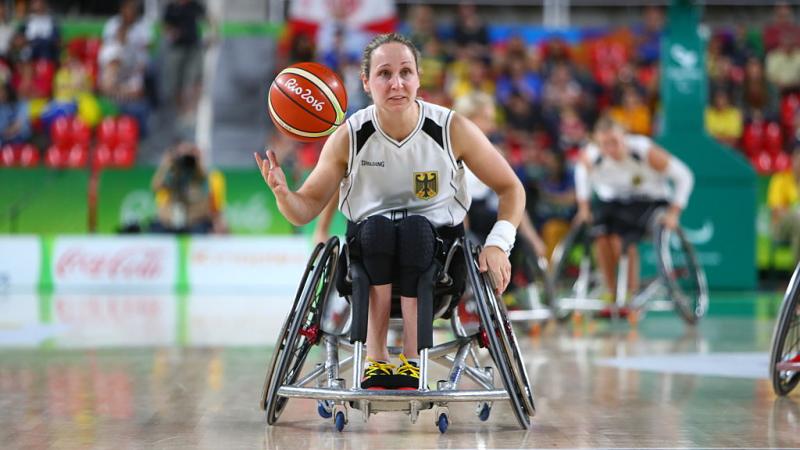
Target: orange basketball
(307, 101)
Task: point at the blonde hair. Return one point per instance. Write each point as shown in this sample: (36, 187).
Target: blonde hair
(473, 103)
(606, 123)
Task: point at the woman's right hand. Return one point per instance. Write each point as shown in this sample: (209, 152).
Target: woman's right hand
(272, 173)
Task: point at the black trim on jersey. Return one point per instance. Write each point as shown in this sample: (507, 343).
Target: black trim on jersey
(366, 130)
(447, 145)
(433, 130)
(636, 157)
(351, 154)
(598, 160)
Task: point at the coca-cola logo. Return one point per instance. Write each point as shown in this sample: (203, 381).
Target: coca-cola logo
(128, 263)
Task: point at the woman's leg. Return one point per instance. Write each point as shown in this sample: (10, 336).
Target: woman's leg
(607, 260)
(416, 251)
(380, 298)
(377, 248)
(409, 308)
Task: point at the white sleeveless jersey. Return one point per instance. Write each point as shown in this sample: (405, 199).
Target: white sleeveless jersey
(630, 178)
(417, 176)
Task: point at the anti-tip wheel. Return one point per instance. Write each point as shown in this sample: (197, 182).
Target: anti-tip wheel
(484, 413)
(339, 421)
(442, 423)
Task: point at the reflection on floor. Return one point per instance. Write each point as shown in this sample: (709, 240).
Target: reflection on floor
(150, 371)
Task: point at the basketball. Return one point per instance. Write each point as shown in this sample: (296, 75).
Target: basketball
(307, 101)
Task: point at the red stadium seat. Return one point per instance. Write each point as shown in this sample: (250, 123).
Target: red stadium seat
(102, 156)
(80, 132)
(7, 157)
(127, 130)
(77, 156)
(753, 138)
(28, 156)
(55, 156)
(762, 162)
(781, 162)
(76, 47)
(790, 105)
(43, 73)
(107, 132)
(773, 138)
(61, 132)
(92, 49)
(124, 155)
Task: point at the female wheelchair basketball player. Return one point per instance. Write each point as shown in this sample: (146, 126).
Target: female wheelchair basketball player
(399, 166)
(630, 177)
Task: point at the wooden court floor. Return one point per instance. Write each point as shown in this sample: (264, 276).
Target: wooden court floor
(76, 373)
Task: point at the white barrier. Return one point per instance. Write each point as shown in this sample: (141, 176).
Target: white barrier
(119, 263)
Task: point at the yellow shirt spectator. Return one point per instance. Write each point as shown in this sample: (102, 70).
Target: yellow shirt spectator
(724, 124)
(782, 191)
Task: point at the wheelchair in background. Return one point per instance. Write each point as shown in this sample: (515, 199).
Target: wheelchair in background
(680, 282)
(785, 356)
(320, 317)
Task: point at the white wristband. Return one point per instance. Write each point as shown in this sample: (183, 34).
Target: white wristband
(502, 235)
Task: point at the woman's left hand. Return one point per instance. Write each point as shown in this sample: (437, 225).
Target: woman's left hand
(495, 262)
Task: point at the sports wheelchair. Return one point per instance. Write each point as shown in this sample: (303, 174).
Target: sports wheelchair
(314, 319)
(785, 355)
(679, 284)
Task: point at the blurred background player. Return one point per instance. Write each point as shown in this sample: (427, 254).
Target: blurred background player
(629, 175)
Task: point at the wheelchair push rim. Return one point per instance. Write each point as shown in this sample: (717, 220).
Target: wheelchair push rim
(682, 274)
(566, 273)
(785, 355)
(497, 340)
(301, 330)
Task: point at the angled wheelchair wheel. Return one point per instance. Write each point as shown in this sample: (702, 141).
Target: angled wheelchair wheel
(681, 272)
(498, 334)
(571, 271)
(301, 330)
(786, 340)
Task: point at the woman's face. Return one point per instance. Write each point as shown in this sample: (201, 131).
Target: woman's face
(611, 142)
(393, 78)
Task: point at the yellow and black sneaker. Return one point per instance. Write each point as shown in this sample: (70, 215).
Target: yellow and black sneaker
(378, 375)
(407, 376)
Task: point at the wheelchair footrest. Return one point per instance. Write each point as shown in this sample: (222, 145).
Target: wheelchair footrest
(376, 407)
(393, 395)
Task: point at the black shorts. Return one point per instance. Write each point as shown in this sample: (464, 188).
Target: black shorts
(626, 218)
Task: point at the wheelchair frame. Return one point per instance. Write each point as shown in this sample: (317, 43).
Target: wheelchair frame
(303, 330)
(785, 362)
(647, 299)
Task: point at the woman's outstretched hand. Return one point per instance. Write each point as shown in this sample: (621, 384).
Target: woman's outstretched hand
(272, 173)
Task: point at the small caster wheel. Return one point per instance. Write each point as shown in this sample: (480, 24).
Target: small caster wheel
(339, 421)
(485, 411)
(442, 423)
(324, 410)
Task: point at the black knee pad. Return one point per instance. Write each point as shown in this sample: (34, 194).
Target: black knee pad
(377, 238)
(415, 251)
